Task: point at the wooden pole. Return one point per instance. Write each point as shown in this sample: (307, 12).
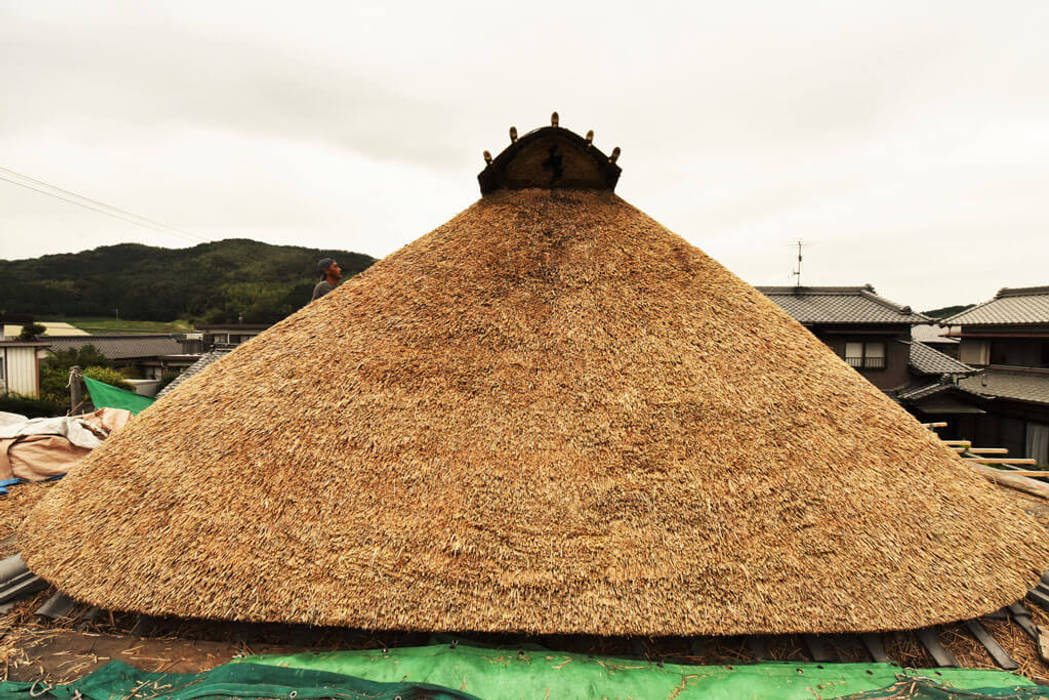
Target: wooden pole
(1002, 460)
(1020, 483)
(74, 388)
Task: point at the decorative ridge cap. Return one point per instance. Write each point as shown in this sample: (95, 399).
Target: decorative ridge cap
(550, 157)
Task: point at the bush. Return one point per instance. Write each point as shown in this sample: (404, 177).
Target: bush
(108, 375)
(30, 331)
(33, 408)
(54, 371)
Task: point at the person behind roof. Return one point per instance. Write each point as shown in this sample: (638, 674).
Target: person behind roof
(330, 273)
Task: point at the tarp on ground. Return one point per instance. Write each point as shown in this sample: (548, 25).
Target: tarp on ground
(443, 672)
(103, 394)
(41, 448)
(118, 680)
(535, 673)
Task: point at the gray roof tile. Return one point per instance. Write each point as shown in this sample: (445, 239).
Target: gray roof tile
(1007, 384)
(1019, 305)
(927, 360)
(853, 305)
(120, 347)
(205, 360)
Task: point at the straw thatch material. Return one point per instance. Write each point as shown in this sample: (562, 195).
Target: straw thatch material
(548, 415)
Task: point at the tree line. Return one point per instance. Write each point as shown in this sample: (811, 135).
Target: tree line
(230, 281)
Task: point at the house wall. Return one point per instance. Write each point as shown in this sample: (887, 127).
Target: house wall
(974, 352)
(20, 372)
(895, 374)
(1008, 424)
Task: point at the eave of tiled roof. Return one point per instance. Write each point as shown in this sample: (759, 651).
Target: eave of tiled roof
(928, 360)
(1018, 385)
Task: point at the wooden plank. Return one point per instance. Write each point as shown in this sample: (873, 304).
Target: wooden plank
(1020, 483)
(58, 605)
(1039, 598)
(989, 450)
(991, 645)
(1001, 460)
(1002, 614)
(817, 647)
(1023, 620)
(931, 641)
(1030, 473)
(937, 424)
(876, 648)
(958, 443)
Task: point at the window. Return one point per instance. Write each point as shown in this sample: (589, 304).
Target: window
(1020, 353)
(865, 355)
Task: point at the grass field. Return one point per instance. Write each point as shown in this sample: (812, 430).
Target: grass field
(101, 324)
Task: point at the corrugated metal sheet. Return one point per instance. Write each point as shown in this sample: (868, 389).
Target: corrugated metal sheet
(20, 369)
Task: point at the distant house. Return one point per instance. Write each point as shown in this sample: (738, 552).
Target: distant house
(221, 335)
(877, 337)
(150, 355)
(936, 336)
(868, 331)
(1008, 337)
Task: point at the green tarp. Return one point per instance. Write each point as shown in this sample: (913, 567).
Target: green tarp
(105, 396)
(246, 680)
(446, 672)
(529, 673)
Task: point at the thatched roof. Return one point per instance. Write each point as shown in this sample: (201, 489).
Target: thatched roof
(549, 414)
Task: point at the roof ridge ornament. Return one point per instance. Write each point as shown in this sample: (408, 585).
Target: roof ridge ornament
(550, 157)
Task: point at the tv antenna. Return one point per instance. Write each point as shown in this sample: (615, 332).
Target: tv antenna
(797, 269)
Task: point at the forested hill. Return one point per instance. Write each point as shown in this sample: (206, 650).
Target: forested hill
(217, 282)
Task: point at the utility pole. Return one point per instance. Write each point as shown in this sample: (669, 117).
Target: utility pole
(797, 269)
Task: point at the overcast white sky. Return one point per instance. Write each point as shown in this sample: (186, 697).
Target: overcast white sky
(907, 143)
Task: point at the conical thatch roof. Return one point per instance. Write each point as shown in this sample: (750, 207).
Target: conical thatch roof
(549, 414)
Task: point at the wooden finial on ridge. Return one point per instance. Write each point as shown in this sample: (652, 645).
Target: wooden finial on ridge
(487, 157)
(513, 134)
(615, 155)
(554, 119)
(590, 139)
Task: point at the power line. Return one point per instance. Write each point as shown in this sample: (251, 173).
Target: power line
(80, 200)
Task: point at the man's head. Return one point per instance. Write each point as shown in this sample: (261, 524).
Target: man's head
(329, 269)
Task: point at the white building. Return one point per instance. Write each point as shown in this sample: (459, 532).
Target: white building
(20, 367)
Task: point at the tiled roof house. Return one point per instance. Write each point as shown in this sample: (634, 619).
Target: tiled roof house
(1008, 337)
